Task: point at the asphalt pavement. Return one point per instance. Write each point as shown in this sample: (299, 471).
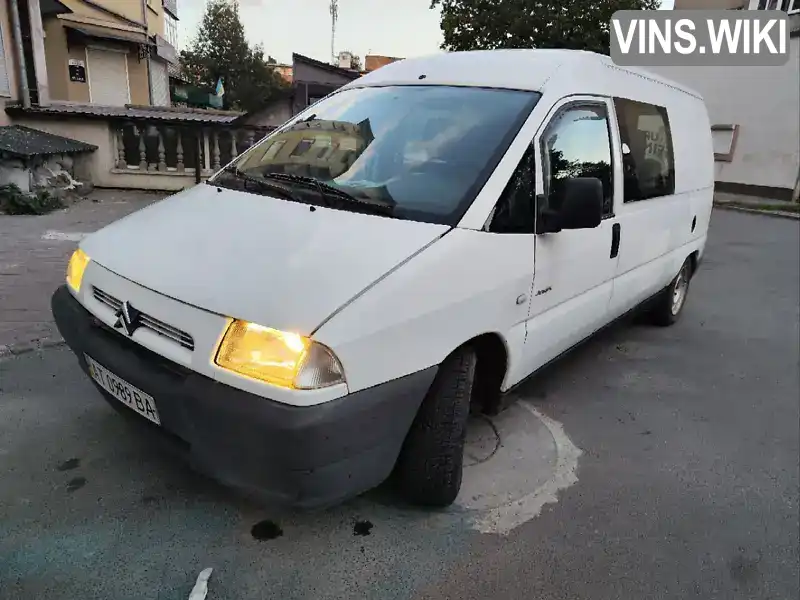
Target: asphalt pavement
(34, 251)
(686, 483)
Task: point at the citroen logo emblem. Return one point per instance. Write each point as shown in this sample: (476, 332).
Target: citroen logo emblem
(127, 319)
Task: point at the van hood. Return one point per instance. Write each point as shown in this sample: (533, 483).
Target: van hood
(266, 260)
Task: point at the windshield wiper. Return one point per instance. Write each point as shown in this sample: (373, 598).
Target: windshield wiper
(328, 191)
(259, 183)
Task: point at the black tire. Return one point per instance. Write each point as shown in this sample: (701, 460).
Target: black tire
(666, 309)
(430, 466)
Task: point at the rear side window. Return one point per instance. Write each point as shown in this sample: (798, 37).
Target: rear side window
(647, 159)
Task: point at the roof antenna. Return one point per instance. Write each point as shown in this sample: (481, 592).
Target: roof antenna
(334, 9)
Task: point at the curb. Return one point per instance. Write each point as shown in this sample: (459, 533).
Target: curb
(768, 213)
(8, 351)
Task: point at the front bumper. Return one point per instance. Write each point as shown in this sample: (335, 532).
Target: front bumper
(300, 456)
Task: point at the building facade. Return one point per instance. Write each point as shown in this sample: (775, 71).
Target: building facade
(111, 52)
(311, 80)
(755, 111)
(99, 52)
(95, 72)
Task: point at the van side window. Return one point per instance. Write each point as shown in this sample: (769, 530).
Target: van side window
(514, 212)
(577, 143)
(647, 159)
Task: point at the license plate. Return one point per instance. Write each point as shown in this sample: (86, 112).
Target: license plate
(123, 391)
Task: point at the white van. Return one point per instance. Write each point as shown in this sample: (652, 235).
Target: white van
(327, 309)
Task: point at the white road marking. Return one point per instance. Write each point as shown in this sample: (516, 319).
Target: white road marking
(503, 519)
(200, 589)
(64, 236)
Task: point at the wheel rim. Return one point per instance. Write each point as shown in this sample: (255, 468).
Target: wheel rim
(679, 291)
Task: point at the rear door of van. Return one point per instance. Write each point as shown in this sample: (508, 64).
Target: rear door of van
(654, 221)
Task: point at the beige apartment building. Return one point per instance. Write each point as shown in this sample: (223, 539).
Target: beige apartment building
(111, 52)
(97, 52)
(92, 77)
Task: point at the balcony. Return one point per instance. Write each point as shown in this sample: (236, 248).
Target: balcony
(171, 6)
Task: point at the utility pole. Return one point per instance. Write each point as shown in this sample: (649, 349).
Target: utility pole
(334, 8)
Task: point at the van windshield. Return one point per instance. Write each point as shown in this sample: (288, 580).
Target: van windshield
(415, 152)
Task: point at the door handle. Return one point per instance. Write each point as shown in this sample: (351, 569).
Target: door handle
(615, 234)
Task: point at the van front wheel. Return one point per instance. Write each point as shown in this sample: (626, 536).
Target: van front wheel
(430, 466)
(669, 304)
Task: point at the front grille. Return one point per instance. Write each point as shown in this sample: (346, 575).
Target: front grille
(157, 326)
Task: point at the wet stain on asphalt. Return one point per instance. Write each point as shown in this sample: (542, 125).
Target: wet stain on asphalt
(362, 528)
(744, 568)
(68, 465)
(266, 530)
(76, 484)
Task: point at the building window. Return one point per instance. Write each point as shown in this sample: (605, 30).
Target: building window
(107, 72)
(171, 29)
(5, 64)
(789, 6)
(272, 150)
(302, 147)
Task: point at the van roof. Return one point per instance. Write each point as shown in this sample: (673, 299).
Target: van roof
(522, 69)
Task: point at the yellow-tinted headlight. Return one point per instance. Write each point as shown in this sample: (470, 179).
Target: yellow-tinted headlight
(281, 358)
(76, 268)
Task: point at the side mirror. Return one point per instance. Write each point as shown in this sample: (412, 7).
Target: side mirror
(581, 205)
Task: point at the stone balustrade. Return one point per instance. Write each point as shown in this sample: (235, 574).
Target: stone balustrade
(153, 148)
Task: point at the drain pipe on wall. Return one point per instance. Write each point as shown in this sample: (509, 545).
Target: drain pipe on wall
(22, 68)
(147, 35)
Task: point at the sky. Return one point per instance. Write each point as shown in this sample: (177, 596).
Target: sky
(402, 28)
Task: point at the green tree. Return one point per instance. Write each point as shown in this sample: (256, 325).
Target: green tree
(220, 50)
(490, 24)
